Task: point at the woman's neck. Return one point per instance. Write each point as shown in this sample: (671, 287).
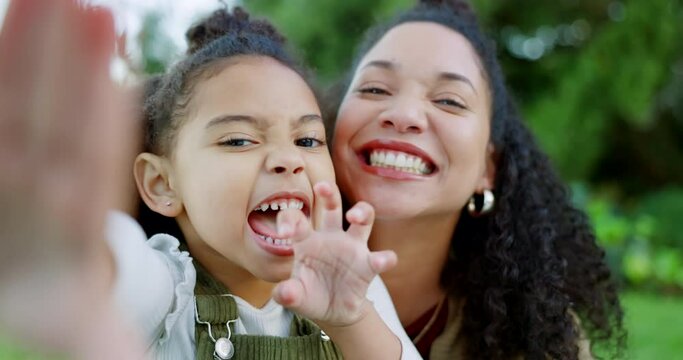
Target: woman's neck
(422, 245)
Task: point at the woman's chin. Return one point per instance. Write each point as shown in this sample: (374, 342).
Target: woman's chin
(397, 207)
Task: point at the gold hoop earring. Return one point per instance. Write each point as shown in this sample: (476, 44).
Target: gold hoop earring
(486, 204)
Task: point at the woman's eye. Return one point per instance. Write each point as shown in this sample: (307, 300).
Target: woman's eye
(308, 142)
(450, 102)
(373, 91)
(236, 142)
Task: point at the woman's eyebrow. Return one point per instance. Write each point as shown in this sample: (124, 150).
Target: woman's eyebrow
(383, 64)
(451, 76)
(445, 75)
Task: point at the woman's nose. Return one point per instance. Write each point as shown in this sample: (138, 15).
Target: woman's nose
(405, 115)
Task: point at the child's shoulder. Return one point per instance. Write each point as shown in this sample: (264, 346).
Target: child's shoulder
(155, 283)
(160, 253)
(123, 231)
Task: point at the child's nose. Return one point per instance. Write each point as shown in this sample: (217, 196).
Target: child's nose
(284, 161)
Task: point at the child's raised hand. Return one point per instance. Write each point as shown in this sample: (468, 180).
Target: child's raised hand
(332, 267)
(63, 145)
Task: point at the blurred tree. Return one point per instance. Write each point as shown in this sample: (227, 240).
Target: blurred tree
(158, 50)
(600, 83)
(325, 31)
(589, 74)
(611, 84)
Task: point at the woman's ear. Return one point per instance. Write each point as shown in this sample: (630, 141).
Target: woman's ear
(488, 179)
(152, 177)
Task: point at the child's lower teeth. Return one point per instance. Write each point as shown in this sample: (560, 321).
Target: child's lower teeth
(276, 242)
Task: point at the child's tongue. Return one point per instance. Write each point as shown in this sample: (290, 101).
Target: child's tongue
(263, 223)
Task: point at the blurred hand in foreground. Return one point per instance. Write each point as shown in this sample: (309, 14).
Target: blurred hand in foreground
(65, 137)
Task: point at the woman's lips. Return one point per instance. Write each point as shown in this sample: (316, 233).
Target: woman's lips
(396, 159)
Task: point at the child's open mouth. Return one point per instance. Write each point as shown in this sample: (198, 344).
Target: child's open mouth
(263, 221)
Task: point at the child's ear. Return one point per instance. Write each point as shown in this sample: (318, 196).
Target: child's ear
(152, 177)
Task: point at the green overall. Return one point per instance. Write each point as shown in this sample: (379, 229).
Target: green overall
(305, 341)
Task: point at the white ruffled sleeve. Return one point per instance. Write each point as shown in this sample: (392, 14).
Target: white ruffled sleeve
(154, 279)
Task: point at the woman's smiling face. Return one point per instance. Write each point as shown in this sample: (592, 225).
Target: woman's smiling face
(412, 133)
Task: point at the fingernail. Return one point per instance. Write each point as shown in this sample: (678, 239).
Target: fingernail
(355, 213)
(284, 229)
(379, 262)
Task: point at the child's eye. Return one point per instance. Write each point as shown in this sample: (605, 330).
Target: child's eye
(239, 142)
(373, 91)
(309, 142)
(451, 102)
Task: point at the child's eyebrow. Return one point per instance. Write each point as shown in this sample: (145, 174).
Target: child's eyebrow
(225, 119)
(308, 118)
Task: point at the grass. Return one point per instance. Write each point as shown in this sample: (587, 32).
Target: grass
(654, 323)
(655, 326)
(11, 351)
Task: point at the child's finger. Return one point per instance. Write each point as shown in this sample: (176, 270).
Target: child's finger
(381, 261)
(328, 206)
(289, 293)
(361, 217)
(292, 224)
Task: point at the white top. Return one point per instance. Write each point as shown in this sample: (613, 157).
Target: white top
(155, 289)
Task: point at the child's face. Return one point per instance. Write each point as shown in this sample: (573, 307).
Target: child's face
(253, 139)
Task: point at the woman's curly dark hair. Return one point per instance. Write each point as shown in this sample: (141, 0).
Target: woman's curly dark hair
(212, 44)
(531, 267)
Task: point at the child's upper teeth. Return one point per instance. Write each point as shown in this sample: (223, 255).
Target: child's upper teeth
(281, 205)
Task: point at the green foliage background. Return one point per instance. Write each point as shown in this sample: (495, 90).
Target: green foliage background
(600, 83)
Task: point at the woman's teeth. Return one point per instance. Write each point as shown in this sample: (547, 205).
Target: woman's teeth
(399, 161)
(281, 205)
(276, 242)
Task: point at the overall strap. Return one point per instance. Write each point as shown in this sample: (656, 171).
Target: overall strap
(306, 341)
